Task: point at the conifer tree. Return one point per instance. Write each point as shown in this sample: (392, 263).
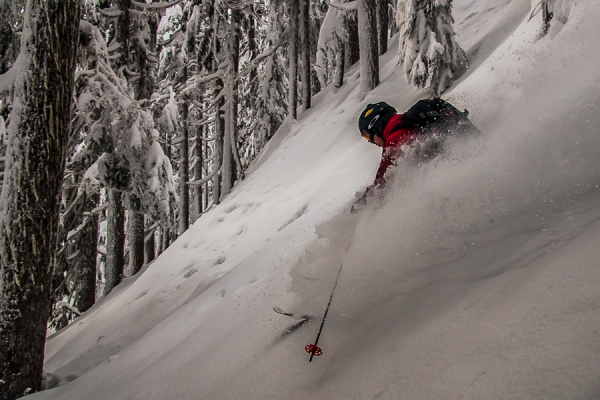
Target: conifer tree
(428, 49)
(29, 208)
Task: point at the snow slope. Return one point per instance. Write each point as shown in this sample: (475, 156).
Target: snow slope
(476, 277)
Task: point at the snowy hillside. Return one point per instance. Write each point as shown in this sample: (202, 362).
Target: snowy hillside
(476, 277)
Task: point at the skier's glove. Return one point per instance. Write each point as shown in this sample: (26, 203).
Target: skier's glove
(359, 204)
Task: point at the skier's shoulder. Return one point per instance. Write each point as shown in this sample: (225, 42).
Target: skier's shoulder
(396, 133)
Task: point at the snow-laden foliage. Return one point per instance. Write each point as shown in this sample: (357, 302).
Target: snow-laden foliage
(118, 130)
(332, 36)
(271, 106)
(428, 49)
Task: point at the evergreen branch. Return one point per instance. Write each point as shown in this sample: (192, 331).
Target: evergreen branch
(252, 64)
(203, 180)
(110, 12)
(64, 304)
(155, 6)
(344, 6)
(100, 208)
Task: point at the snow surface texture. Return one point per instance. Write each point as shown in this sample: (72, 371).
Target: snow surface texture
(476, 277)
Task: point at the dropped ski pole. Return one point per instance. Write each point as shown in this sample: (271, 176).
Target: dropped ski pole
(313, 349)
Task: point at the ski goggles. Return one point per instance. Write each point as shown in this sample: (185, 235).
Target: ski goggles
(369, 136)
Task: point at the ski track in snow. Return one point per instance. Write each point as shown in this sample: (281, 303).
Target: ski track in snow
(475, 277)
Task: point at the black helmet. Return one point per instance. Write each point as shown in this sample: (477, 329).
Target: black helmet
(374, 118)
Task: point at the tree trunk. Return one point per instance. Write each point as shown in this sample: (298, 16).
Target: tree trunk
(184, 172)
(382, 25)
(306, 65)
(198, 171)
(165, 239)
(293, 60)
(220, 134)
(252, 46)
(115, 246)
(340, 68)
(159, 241)
(136, 242)
(149, 247)
(229, 145)
(85, 288)
(115, 241)
(29, 205)
(352, 47)
(367, 38)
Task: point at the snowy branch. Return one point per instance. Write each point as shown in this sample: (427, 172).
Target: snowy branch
(110, 12)
(64, 304)
(155, 6)
(344, 6)
(203, 122)
(252, 64)
(100, 208)
(195, 82)
(203, 180)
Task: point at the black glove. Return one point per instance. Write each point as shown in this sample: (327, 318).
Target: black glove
(359, 204)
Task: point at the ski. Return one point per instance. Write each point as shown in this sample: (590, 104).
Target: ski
(301, 320)
(296, 316)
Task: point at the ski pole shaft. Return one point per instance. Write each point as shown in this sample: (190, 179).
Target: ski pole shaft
(326, 311)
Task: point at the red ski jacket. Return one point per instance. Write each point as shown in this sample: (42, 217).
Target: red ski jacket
(392, 148)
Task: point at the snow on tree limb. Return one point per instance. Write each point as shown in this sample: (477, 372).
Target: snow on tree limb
(110, 12)
(155, 6)
(350, 6)
(428, 50)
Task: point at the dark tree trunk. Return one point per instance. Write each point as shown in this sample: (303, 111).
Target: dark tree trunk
(220, 134)
(33, 179)
(184, 172)
(198, 171)
(340, 68)
(149, 247)
(115, 241)
(306, 52)
(352, 47)
(159, 241)
(85, 288)
(293, 60)
(367, 37)
(136, 242)
(252, 45)
(382, 25)
(229, 146)
(115, 246)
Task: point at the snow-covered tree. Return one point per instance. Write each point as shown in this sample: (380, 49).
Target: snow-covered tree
(43, 79)
(115, 120)
(332, 46)
(270, 96)
(428, 49)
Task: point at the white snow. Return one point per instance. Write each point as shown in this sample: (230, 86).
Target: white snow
(475, 277)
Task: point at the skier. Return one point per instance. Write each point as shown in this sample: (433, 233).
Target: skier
(381, 125)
